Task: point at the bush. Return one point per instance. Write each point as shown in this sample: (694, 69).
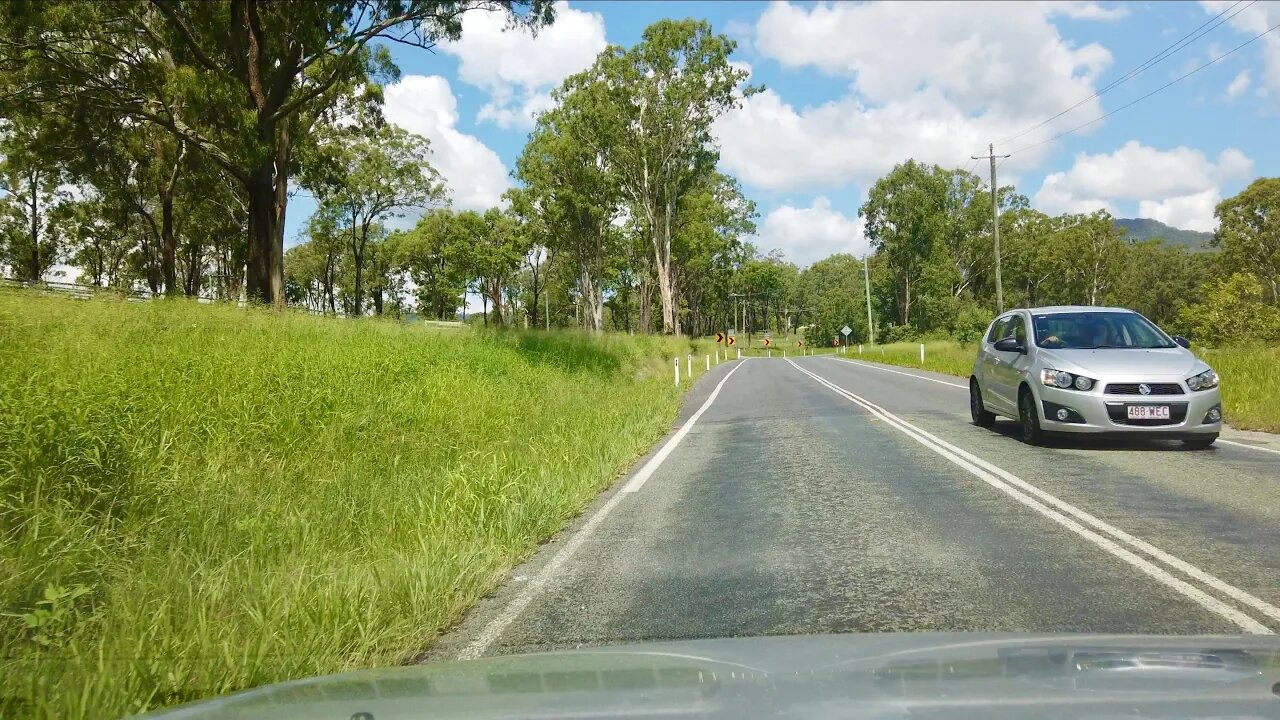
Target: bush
(1233, 311)
(899, 333)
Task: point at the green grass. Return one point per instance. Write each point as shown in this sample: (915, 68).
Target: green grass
(1250, 385)
(944, 356)
(196, 499)
(1250, 375)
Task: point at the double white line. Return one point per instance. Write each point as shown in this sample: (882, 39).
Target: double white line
(1107, 537)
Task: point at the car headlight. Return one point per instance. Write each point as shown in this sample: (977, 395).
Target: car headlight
(1204, 381)
(1065, 380)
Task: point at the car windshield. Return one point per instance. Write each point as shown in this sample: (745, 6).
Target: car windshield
(1093, 330)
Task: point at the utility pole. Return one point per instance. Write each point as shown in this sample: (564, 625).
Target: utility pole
(866, 283)
(995, 216)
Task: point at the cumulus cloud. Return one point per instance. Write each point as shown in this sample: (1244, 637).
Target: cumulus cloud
(1254, 19)
(806, 235)
(1179, 185)
(972, 72)
(424, 104)
(1238, 85)
(518, 68)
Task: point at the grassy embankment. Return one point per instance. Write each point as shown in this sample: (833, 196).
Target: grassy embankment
(195, 499)
(1250, 376)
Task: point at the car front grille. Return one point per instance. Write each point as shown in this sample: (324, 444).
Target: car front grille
(1132, 389)
(1120, 416)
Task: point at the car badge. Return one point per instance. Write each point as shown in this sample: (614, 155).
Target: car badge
(1145, 389)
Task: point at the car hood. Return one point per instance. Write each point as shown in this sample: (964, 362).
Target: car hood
(900, 675)
(1111, 362)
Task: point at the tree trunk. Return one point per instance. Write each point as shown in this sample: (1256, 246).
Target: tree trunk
(592, 299)
(168, 246)
(646, 306)
(493, 289)
(377, 301)
(261, 285)
(32, 269)
(662, 266)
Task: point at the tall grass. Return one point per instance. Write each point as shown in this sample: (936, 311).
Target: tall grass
(944, 356)
(196, 499)
(1250, 385)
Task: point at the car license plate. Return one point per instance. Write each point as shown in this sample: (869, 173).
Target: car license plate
(1148, 412)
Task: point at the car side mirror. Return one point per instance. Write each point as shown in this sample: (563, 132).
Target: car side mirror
(1010, 345)
(1182, 341)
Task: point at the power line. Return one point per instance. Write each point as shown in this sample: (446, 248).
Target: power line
(1150, 62)
(1176, 80)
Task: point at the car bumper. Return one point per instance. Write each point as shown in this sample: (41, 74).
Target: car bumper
(1093, 412)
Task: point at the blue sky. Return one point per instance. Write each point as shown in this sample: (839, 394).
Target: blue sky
(853, 89)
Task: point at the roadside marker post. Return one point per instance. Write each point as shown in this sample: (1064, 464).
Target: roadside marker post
(677, 372)
(689, 366)
(739, 353)
(708, 363)
(859, 348)
(922, 353)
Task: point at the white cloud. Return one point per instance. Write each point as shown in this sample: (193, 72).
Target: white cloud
(424, 104)
(1238, 85)
(772, 145)
(1088, 10)
(1254, 19)
(1190, 212)
(1179, 184)
(806, 235)
(935, 82)
(518, 68)
(1004, 57)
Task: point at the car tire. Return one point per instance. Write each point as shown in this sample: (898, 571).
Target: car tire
(981, 416)
(1199, 442)
(1028, 418)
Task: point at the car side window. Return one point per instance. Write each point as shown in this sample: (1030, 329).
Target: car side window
(1019, 329)
(997, 329)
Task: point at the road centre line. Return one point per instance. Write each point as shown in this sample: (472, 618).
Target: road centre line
(499, 624)
(1023, 492)
(899, 372)
(966, 387)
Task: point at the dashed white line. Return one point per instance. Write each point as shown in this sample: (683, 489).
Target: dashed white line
(499, 624)
(899, 372)
(1005, 482)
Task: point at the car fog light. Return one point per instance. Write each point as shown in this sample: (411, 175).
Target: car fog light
(1063, 414)
(1215, 415)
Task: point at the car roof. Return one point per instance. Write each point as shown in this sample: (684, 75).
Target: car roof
(1053, 309)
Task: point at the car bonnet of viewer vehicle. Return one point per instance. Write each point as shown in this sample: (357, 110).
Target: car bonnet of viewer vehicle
(943, 675)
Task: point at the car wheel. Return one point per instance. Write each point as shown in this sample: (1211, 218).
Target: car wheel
(1028, 418)
(1199, 442)
(977, 411)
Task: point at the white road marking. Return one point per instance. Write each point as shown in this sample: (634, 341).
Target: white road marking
(1251, 447)
(654, 462)
(499, 624)
(899, 372)
(997, 477)
(966, 387)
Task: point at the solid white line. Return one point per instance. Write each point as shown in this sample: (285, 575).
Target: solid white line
(499, 624)
(988, 473)
(899, 372)
(654, 462)
(966, 387)
(1251, 447)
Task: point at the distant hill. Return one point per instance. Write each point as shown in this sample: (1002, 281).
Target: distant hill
(1147, 229)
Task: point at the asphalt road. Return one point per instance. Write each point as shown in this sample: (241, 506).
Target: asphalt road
(819, 495)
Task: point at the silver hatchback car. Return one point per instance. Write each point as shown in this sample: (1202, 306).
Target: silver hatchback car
(1076, 369)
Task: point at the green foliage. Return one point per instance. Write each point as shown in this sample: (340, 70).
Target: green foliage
(1249, 234)
(241, 512)
(1233, 309)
